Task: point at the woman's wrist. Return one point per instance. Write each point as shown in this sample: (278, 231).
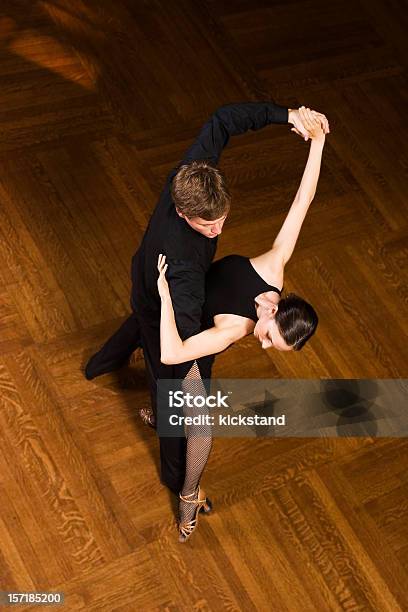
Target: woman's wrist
(319, 140)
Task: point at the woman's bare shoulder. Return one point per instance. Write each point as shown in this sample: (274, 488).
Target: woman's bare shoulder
(270, 267)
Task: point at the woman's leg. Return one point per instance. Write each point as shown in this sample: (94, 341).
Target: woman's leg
(199, 441)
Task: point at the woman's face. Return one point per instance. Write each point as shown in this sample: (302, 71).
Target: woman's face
(266, 329)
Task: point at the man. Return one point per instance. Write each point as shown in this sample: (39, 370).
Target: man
(184, 226)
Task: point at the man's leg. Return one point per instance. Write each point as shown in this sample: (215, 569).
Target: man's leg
(117, 350)
(173, 463)
(172, 449)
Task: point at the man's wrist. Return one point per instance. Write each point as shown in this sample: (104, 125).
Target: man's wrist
(290, 115)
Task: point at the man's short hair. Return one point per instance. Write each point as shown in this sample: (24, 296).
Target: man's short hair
(199, 190)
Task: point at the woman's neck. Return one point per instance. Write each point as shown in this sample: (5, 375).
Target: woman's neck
(264, 302)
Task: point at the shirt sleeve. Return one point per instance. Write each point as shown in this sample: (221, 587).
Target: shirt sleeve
(231, 120)
(186, 280)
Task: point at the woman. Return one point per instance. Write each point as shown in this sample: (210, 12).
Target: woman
(242, 297)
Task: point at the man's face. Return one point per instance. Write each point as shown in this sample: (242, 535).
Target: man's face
(210, 229)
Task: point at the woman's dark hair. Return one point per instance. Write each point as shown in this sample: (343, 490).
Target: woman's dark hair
(296, 320)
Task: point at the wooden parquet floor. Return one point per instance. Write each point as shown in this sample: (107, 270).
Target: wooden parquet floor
(98, 102)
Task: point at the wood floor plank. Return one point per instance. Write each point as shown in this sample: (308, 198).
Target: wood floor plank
(132, 580)
(372, 547)
(317, 533)
(99, 103)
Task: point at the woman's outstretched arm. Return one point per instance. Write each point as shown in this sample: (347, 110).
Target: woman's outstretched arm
(287, 237)
(172, 348)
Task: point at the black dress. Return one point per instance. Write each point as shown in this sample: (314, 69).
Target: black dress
(232, 284)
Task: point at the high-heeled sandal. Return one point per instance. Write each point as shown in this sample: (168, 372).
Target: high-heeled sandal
(186, 528)
(206, 509)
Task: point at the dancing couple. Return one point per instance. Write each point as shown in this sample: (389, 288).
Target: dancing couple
(194, 308)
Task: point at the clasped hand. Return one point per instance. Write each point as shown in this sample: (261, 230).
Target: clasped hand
(309, 123)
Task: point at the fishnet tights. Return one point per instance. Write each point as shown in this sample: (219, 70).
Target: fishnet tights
(199, 441)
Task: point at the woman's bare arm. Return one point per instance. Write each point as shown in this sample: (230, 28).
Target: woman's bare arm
(172, 348)
(208, 342)
(286, 239)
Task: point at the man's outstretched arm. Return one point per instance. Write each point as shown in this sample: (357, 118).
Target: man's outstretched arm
(232, 120)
